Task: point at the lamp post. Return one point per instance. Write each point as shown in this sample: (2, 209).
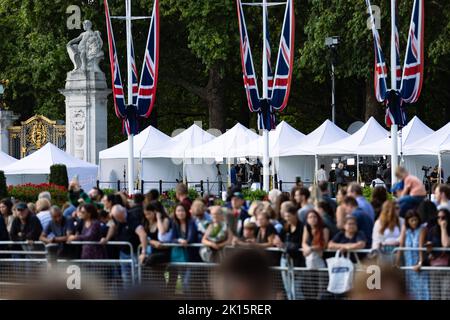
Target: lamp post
(332, 44)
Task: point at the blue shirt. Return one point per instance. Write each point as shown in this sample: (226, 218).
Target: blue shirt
(366, 207)
(365, 224)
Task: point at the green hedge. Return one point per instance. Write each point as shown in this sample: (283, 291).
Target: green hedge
(253, 195)
(3, 187)
(58, 175)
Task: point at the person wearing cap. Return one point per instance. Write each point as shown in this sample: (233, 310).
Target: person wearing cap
(25, 226)
(238, 213)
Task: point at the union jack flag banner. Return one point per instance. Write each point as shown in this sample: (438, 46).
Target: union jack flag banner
(409, 81)
(414, 60)
(134, 75)
(117, 87)
(144, 92)
(279, 83)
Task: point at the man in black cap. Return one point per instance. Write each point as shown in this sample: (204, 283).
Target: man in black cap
(238, 213)
(25, 227)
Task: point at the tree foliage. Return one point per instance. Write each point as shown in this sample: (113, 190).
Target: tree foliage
(200, 69)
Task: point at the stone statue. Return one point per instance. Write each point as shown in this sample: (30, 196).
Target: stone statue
(85, 51)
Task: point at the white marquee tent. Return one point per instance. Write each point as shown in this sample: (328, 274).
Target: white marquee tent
(283, 137)
(411, 133)
(113, 161)
(35, 168)
(174, 151)
(371, 132)
(298, 159)
(428, 152)
(6, 160)
(225, 145)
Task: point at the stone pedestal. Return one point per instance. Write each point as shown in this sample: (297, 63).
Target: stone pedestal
(86, 114)
(7, 119)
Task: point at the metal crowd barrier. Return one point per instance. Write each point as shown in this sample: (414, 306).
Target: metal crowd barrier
(194, 280)
(105, 278)
(113, 276)
(431, 282)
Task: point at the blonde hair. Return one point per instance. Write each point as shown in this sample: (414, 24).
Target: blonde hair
(42, 205)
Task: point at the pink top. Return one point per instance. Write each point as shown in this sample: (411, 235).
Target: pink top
(414, 187)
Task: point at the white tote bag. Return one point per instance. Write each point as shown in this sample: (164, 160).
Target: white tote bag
(340, 272)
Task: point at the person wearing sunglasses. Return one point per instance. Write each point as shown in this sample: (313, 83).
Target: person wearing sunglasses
(438, 237)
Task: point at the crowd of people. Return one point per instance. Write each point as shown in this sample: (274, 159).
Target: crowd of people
(302, 224)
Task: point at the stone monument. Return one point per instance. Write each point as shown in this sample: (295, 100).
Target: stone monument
(7, 119)
(86, 95)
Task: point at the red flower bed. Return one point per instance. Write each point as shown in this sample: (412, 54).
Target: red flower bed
(29, 192)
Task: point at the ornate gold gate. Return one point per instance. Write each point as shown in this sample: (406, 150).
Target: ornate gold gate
(33, 134)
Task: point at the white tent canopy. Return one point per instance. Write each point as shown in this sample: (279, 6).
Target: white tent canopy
(35, 168)
(327, 133)
(297, 160)
(113, 161)
(428, 152)
(6, 160)
(151, 137)
(411, 133)
(225, 145)
(430, 145)
(177, 146)
(283, 137)
(174, 151)
(371, 131)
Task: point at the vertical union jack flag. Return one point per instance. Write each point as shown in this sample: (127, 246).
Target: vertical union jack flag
(380, 72)
(144, 92)
(269, 58)
(409, 84)
(414, 60)
(117, 87)
(285, 61)
(149, 76)
(134, 75)
(279, 83)
(398, 67)
(248, 68)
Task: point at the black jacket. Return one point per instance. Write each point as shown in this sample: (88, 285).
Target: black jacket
(31, 230)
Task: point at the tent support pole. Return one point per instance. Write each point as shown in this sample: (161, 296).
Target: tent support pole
(394, 153)
(358, 176)
(440, 168)
(316, 167)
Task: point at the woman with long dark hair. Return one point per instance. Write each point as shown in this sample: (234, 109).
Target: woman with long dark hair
(413, 236)
(438, 237)
(157, 226)
(379, 196)
(91, 232)
(6, 212)
(315, 240)
(184, 232)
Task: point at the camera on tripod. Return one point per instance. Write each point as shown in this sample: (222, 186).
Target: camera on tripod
(426, 169)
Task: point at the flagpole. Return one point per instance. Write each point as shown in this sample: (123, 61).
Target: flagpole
(130, 97)
(266, 170)
(394, 126)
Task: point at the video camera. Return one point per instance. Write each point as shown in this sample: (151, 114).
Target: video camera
(426, 169)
